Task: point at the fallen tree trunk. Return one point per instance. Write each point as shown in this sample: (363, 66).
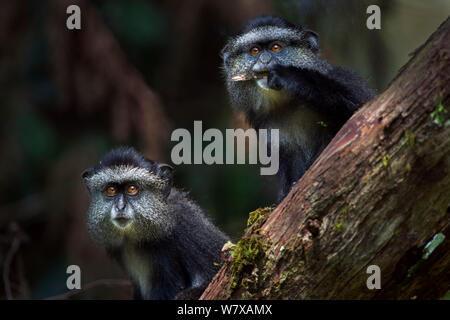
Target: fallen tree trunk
(379, 195)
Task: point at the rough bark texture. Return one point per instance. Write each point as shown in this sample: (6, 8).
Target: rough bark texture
(377, 195)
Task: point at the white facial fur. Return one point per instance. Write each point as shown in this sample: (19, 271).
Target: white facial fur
(260, 34)
(121, 174)
(148, 209)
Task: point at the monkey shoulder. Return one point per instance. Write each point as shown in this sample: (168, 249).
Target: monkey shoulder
(181, 204)
(193, 228)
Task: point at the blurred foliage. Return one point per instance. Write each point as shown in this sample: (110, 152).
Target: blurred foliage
(46, 144)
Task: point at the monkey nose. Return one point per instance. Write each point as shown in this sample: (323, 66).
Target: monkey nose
(120, 203)
(265, 57)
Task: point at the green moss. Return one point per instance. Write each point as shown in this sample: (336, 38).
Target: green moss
(408, 166)
(385, 161)
(427, 251)
(339, 222)
(245, 255)
(256, 218)
(432, 245)
(412, 270)
(246, 251)
(439, 114)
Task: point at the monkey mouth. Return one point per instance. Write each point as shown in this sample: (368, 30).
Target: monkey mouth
(260, 78)
(262, 83)
(121, 221)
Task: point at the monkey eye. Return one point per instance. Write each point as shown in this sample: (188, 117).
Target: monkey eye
(255, 50)
(111, 190)
(132, 189)
(276, 47)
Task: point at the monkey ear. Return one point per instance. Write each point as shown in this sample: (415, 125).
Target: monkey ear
(165, 171)
(225, 49)
(312, 40)
(225, 54)
(86, 173)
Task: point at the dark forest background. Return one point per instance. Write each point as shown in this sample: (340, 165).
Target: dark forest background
(136, 71)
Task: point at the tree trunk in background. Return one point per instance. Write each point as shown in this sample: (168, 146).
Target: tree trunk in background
(377, 195)
(94, 75)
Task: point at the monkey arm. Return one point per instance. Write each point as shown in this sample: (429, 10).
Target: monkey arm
(338, 93)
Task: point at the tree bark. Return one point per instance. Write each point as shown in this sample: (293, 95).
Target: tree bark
(379, 195)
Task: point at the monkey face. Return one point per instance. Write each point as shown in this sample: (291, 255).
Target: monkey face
(260, 48)
(251, 56)
(122, 196)
(128, 204)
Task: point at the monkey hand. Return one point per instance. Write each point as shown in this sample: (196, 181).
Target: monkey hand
(275, 78)
(291, 79)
